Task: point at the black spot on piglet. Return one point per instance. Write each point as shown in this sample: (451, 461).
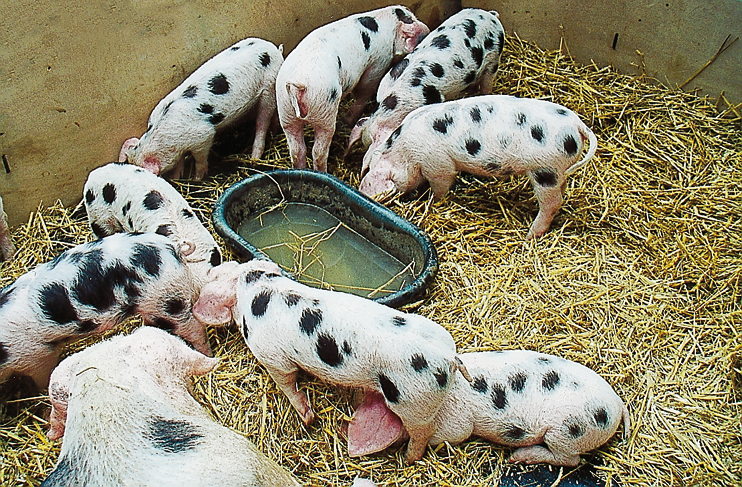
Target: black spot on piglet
(441, 376)
(153, 200)
(545, 176)
(391, 393)
(219, 84)
(260, 303)
(418, 362)
(190, 92)
(175, 306)
(109, 193)
(473, 146)
(399, 321)
(518, 381)
(390, 102)
(499, 396)
(513, 432)
(570, 145)
(550, 380)
(366, 40)
(89, 196)
(369, 23)
(479, 384)
(173, 435)
(265, 59)
(396, 71)
(328, 351)
(575, 428)
(147, 258)
(403, 16)
(441, 41)
(441, 124)
(432, 95)
(600, 416)
(537, 132)
(165, 230)
(216, 257)
(310, 320)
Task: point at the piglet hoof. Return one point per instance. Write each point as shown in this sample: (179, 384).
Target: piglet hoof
(307, 417)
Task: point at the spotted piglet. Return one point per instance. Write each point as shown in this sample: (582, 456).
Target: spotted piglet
(550, 409)
(489, 135)
(124, 408)
(126, 198)
(348, 55)
(406, 359)
(463, 52)
(214, 97)
(89, 289)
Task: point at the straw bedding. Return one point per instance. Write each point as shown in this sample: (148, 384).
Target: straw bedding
(639, 278)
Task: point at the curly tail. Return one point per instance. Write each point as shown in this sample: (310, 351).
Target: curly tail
(586, 134)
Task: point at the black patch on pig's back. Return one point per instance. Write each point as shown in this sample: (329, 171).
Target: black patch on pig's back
(473, 146)
(391, 393)
(479, 384)
(165, 230)
(570, 145)
(499, 396)
(441, 376)
(550, 380)
(369, 23)
(173, 435)
(190, 92)
(328, 350)
(518, 381)
(216, 257)
(366, 40)
(153, 200)
(441, 124)
(419, 363)
(431, 94)
(219, 84)
(470, 28)
(265, 59)
(260, 303)
(390, 102)
(397, 70)
(109, 193)
(310, 320)
(600, 416)
(54, 301)
(147, 258)
(441, 42)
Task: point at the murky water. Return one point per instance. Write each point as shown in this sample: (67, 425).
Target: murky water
(324, 252)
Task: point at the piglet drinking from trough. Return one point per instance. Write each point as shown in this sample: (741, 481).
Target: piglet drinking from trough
(341, 338)
(126, 198)
(7, 249)
(215, 96)
(462, 52)
(89, 289)
(124, 408)
(489, 135)
(348, 55)
(550, 408)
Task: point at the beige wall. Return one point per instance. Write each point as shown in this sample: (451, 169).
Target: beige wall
(79, 77)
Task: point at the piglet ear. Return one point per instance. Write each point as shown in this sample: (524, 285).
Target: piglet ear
(152, 164)
(203, 364)
(215, 303)
(374, 427)
(126, 147)
(412, 34)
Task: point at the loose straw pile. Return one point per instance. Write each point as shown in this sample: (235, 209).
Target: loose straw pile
(638, 279)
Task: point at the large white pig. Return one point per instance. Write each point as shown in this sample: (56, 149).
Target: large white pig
(127, 417)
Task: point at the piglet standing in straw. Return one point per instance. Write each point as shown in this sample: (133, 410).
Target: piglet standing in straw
(348, 55)
(550, 409)
(489, 135)
(404, 360)
(127, 417)
(92, 288)
(462, 54)
(126, 198)
(214, 97)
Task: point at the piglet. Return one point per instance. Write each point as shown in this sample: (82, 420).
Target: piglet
(89, 289)
(551, 409)
(489, 135)
(348, 55)
(7, 249)
(463, 52)
(214, 97)
(408, 360)
(124, 408)
(126, 198)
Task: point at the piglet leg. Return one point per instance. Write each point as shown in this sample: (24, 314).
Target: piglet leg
(419, 437)
(548, 189)
(321, 148)
(541, 454)
(286, 381)
(266, 108)
(297, 147)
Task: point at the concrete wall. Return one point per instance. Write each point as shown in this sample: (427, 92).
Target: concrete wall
(80, 77)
